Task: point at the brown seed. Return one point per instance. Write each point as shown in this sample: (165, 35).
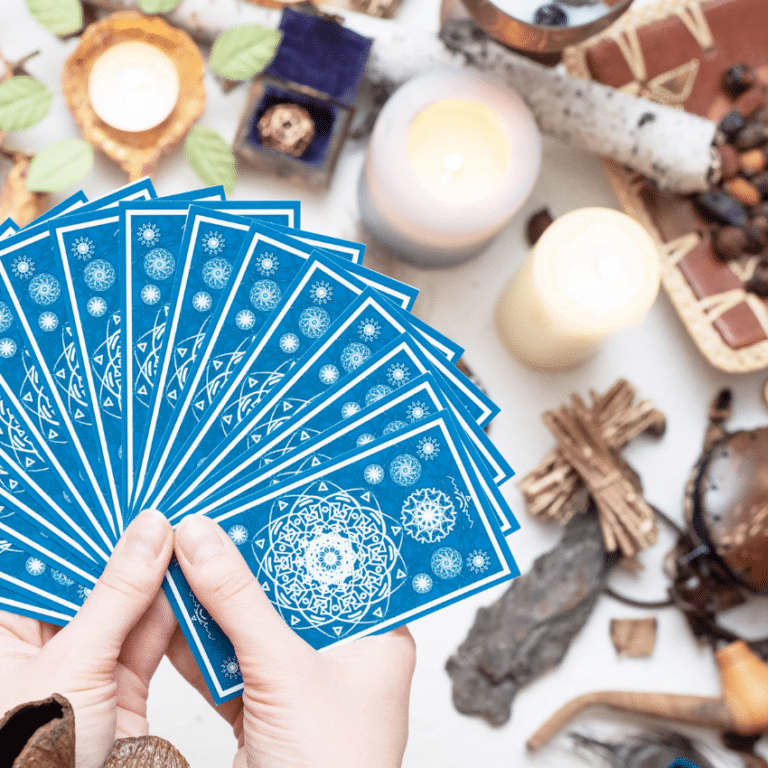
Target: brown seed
(752, 161)
(728, 243)
(755, 239)
(758, 283)
(730, 161)
(536, 225)
(750, 100)
(737, 79)
(751, 136)
(741, 190)
(760, 182)
(761, 223)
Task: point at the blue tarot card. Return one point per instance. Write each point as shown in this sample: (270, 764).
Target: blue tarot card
(348, 249)
(143, 189)
(282, 213)
(360, 545)
(10, 602)
(8, 228)
(206, 193)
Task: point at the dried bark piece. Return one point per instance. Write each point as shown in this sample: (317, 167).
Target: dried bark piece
(40, 734)
(633, 638)
(16, 200)
(528, 630)
(145, 752)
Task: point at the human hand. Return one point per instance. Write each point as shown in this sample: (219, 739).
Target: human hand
(346, 707)
(103, 660)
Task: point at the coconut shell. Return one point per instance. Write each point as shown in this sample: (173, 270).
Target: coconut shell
(137, 153)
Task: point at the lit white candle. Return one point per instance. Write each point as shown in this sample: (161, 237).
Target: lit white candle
(592, 272)
(451, 158)
(133, 86)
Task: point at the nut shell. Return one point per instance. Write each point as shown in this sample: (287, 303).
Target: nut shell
(286, 128)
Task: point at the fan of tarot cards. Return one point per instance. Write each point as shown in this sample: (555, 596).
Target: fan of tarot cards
(204, 356)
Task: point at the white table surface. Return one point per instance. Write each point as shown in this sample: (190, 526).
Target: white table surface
(657, 356)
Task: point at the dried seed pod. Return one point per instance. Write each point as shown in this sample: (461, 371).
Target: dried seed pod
(758, 283)
(752, 162)
(737, 79)
(286, 128)
(145, 752)
(740, 189)
(717, 205)
(536, 225)
(755, 239)
(728, 243)
(761, 223)
(732, 123)
(760, 183)
(730, 161)
(750, 101)
(752, 135)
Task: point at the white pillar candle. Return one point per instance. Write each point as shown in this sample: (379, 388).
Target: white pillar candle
(133, 86)
(592, 272)
(452, 157)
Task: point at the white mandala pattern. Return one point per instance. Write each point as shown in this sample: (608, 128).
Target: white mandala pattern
(314, 322)
(364, 439)
(148, 234)
(369, 330)
(245, 319)
(202, 301)
(159, 264)
(99, 275)
(230, 667)
(23, 267)
(445, 563)
(83, 592)
(349, 409)
(394, 426)
(373, 474)
(289, 343)
(216, 273)
(416, 411)
(62, 578)
(267, 264)
(265, 295)
(478, 561)
(427, 448)
(44, 289)
(34, 566)
(238, 534)
(83, 248)
(321, 292)
(96, 306)
(405, 469)
(422, 583)
(376, 392)
(150, 294)
(7, 348)
(6, 317)
(48, 321)
(428, 515)
(398, 374)
(328, 374)
(353, 356)
(213, 243)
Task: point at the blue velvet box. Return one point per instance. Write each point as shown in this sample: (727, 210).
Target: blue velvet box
(319, 66)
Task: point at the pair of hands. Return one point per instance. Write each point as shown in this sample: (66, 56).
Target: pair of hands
(345, 707)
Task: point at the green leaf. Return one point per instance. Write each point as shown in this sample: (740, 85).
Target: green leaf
(158, 6)
(59, 166)
(62, 17)
(210, 157)
(24, 101)
(242, 52)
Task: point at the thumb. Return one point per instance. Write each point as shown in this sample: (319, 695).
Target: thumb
(226, 588)
(125, 590)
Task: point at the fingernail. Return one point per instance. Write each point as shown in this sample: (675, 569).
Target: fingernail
(197, 539)
(146, 535)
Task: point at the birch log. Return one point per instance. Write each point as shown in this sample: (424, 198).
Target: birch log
(669, 146)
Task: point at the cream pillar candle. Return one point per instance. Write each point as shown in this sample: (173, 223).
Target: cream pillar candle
(452, 157)
(592, 272)
(133, 86)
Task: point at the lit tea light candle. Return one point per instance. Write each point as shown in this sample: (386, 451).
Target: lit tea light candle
(451, 158)
(133, 86)
(592, 272)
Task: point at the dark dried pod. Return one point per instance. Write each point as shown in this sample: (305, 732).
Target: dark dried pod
(750, 101)
(536, 225)
(732, 123)
(728, 243)
(145, 752)
(751, 136)
(737, 79)
(755, 238)
(758, 283)
(761, 223)
(716, 205)
(760, 182)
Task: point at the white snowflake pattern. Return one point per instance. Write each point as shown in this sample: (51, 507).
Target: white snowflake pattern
(83, 248)
(61, 578)
(202, 301)
(6, 317)
(34, 566)
(368, 330)
(373, 474)
(245, 319)
(99, 275)
(328, 374)
(398, 374)
(314, 322)
(216, 273)
(23, 267)
(83, 592)
(150, 294)
(364, 439)
(405, 469)
(422, 583)
(213, 243)
(394, 426)
(7, 347)
(428, 515)
(96, 306)
(416, 411)
(267, 264)
(376, 392)
(148, 234)
(289, 343)
(265, 295)
(44, 289)
(230, 667)
(427, 448)
(478, 561)
(445, 563)
(353, 356)
(48, 321)
(349, 409)
(238, 534)
(159, 264)
(321, 292)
